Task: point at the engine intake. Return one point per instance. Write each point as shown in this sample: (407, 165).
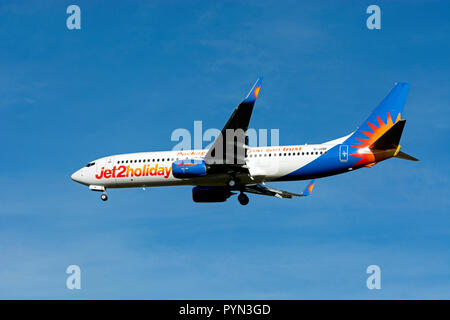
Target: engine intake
(189, 168)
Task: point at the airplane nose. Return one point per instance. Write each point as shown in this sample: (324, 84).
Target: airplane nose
(76, 176)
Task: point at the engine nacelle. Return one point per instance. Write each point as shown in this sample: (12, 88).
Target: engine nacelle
(188, 168)
(210, 194)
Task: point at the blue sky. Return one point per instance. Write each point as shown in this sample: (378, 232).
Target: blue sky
(138, 70)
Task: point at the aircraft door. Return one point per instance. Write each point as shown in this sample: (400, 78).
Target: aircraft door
(109, 164)
(98, 169)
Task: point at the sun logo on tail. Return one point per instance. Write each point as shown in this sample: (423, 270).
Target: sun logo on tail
(363, 148)
(256, 91)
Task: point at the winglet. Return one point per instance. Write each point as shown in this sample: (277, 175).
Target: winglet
(309, 188)
(253, 94)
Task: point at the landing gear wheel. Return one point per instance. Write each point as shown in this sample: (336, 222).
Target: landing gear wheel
(243, 199)
(231, 183)
(104, 197)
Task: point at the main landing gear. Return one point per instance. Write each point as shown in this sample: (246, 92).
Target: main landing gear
(243, 199)
(104, 197)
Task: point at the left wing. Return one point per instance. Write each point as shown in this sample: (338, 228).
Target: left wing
(267, 191)
(230, 146)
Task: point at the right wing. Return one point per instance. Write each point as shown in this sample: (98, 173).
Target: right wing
(267, 191)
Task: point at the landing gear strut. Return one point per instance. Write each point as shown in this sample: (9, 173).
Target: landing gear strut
(104, 197)
(243, 199)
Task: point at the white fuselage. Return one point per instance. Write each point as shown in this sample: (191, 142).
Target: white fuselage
(147, 169)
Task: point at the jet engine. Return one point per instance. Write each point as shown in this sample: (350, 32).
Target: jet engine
(210, 194)
(189, 168)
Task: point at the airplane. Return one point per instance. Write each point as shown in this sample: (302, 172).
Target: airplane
(230, 166)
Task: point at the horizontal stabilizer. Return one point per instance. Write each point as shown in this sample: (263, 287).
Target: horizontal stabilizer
(405, 156)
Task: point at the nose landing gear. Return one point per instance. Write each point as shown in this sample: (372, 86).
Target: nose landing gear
(243, 199)
(104, 197)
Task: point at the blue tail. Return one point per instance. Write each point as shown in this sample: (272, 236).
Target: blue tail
(385, 115)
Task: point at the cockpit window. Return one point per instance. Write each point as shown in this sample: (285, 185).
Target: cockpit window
(90, 164)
